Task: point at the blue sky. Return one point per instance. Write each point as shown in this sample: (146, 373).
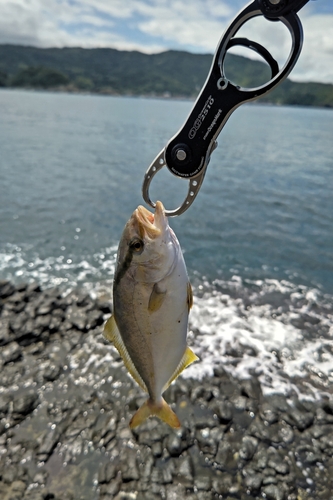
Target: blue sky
(156, 25)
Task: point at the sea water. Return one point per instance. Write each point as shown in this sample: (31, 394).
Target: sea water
(258, 240)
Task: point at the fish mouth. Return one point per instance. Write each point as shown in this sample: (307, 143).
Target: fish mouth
(151, 224)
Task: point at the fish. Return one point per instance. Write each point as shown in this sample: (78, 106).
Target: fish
(152, 298)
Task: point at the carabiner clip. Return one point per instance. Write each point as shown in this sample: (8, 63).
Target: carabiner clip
(188, 153)
(193, 187)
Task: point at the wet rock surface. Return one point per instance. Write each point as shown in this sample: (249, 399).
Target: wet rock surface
(66, 400)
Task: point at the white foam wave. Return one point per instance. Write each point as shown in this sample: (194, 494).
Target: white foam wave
(245, 327)
(254, 340)
(22, 265)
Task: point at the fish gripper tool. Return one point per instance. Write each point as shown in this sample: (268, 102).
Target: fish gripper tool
(188, 153)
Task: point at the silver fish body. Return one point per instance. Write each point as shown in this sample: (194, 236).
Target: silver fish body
(151, 301)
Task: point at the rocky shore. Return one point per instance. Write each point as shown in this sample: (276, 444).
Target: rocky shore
(65, 403)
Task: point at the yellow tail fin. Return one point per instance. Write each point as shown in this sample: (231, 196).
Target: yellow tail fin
(149, 409)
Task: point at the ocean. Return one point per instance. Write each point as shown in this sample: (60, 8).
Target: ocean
(257, 241)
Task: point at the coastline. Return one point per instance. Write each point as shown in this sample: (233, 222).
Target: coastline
(66, 400)
(151, 96)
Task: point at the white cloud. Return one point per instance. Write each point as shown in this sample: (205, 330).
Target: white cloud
(176, 23)
(316, 60)
(155, 25)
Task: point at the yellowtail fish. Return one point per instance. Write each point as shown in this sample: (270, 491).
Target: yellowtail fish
(152, 297)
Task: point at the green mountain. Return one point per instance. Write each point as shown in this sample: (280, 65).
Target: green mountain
(170, 73)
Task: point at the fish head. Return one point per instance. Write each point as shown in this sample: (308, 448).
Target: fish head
(148, 245)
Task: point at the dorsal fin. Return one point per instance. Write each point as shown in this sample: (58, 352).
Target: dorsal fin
(112, 334)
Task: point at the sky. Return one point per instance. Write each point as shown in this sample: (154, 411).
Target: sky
(153, 26)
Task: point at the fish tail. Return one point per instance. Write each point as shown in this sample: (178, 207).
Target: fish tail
(161, 410)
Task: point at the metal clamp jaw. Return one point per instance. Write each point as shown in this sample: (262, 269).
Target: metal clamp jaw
(188, 153)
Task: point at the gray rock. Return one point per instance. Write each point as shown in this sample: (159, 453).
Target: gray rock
(301, 419)
(41, 477)
(33, 289)
(203, 483)
(186, 471)
(13, 473)
(286, 434)
(128, 466)
(111, 489)
(94, 319)
(252, 480)
(49, 442)
(326, 443)
(274, 492)
(156, 449)
(268, 414)
(6, 289)
(261, 458)
(76, 317)
(222, 483)
(168, 470)
(224, 411)
(278, 464)
(175, 492)
(51, 372)
(174, 444)
(224, 454)
(5, 333)
(107, 472)
(11, 353)
(13, 491)
(250, 388)
(25, 403)
(311, 457)
(248, 447)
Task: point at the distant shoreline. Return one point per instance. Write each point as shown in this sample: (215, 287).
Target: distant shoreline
(80, 92)
(170, 74)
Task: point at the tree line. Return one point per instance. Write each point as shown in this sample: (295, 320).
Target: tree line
(169, 74)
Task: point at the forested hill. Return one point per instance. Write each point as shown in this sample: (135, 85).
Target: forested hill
(170, 73)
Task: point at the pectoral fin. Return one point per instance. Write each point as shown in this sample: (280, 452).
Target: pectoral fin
(156, 298)
(112, 334)
(188, 358)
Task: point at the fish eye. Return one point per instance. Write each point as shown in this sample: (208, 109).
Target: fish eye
(136, 245)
